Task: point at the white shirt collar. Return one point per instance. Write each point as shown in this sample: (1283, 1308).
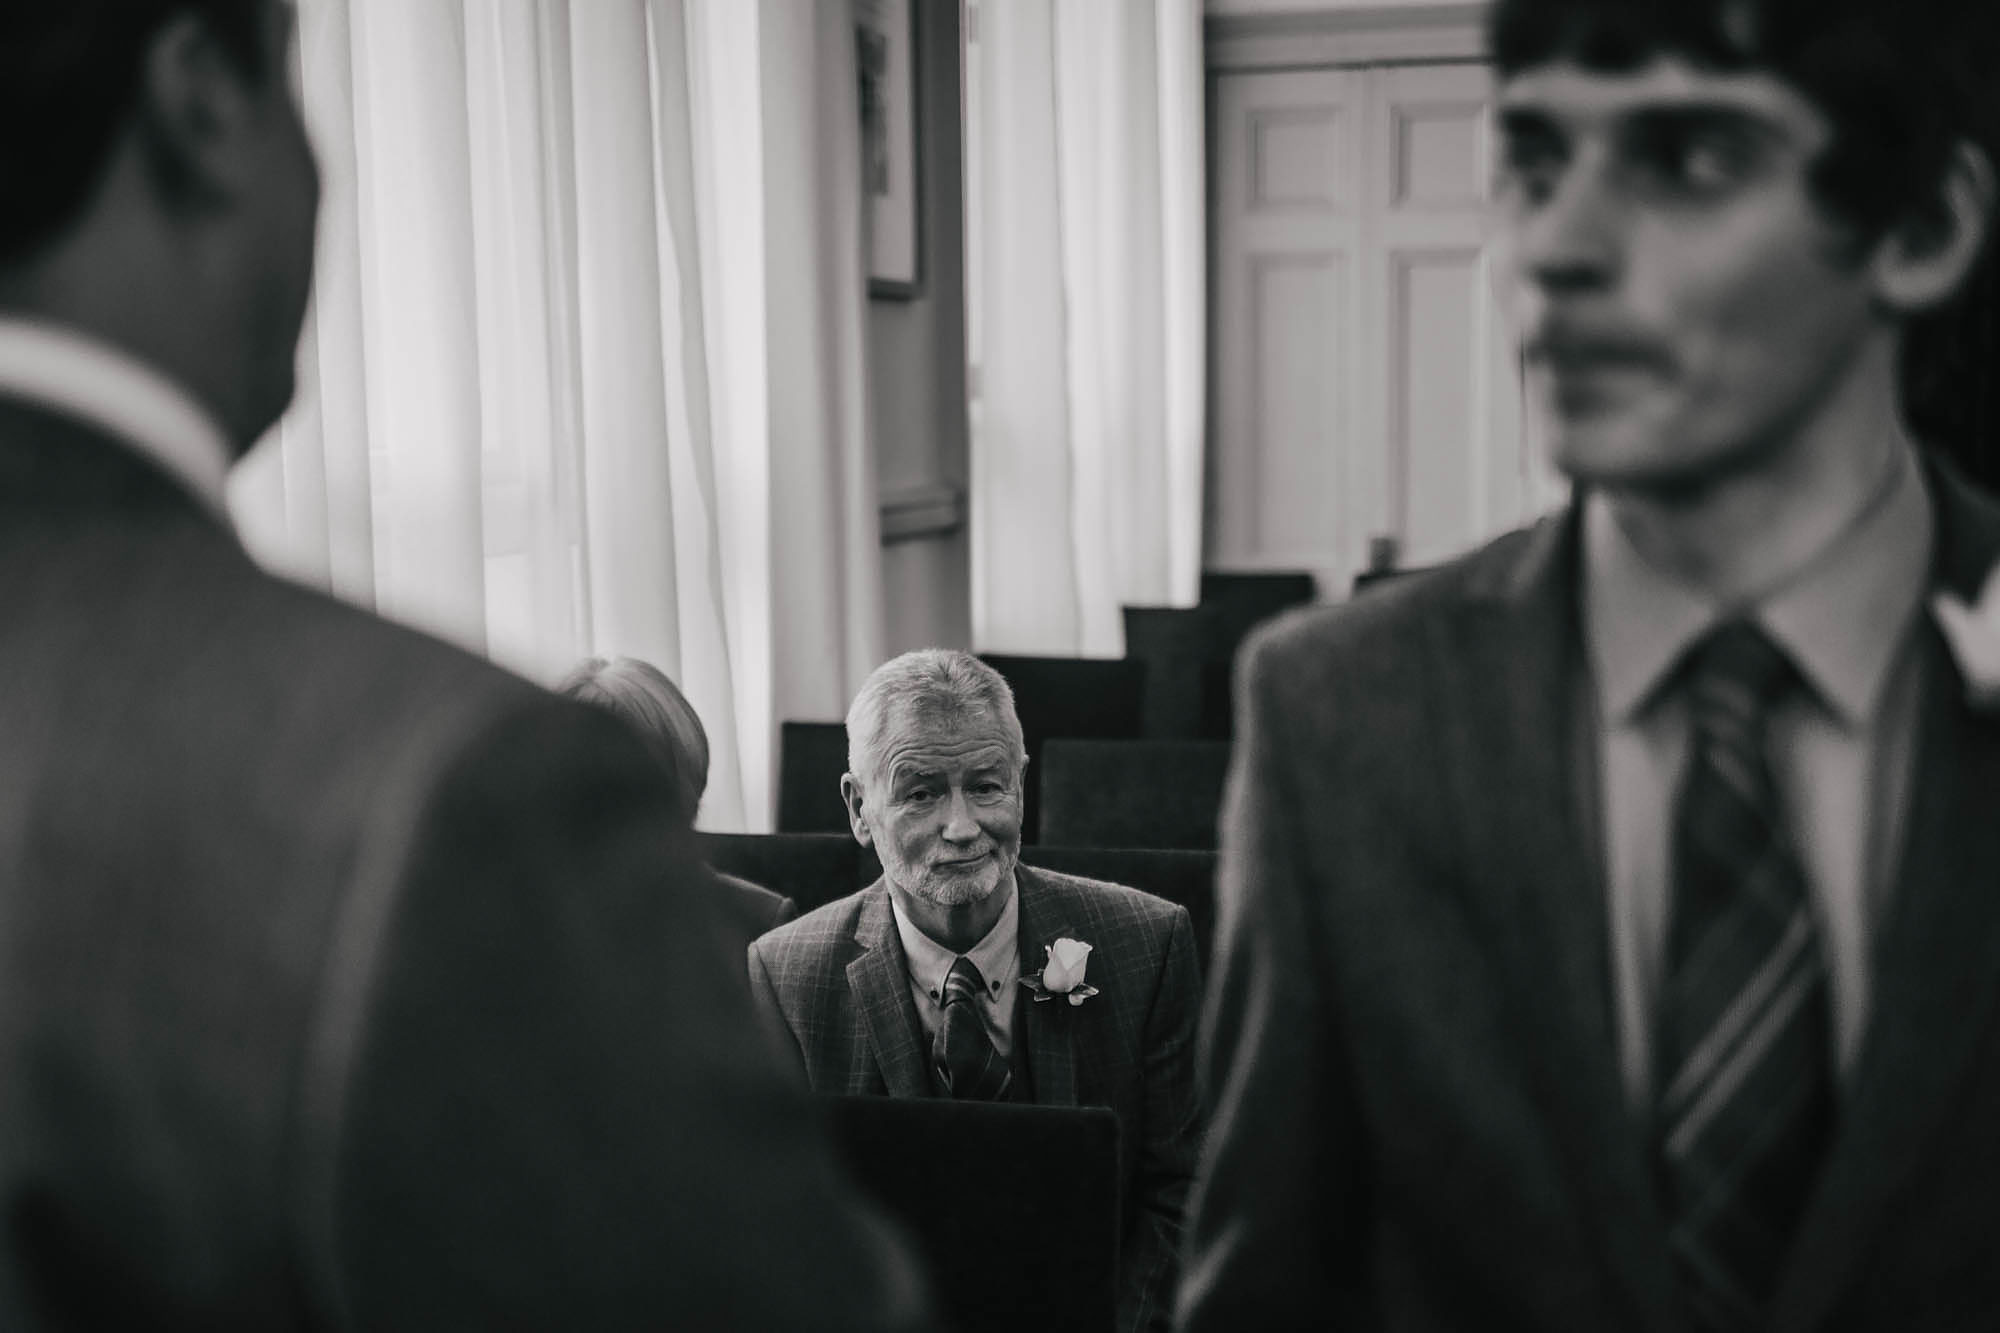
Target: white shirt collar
(88, 379)
(1840, 618)
(930, 961)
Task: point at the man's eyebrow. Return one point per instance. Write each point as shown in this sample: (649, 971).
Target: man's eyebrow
(1696, 117)
(1525, 120)
(1531, 118)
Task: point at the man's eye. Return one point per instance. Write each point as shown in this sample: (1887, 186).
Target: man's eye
(1531, 165)
(917, 794)
(1695, 162)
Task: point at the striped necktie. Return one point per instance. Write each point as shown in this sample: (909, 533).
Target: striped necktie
(1743, 1059)
(967, 1064)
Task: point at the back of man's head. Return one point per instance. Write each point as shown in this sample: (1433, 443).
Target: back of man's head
(156, 189)
(70, 74)
(1904, 84)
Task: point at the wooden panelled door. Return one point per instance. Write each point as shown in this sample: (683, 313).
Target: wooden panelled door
(1364, 383)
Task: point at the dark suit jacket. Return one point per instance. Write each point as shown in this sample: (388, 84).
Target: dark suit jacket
(348, 981)
(1420, 1122)
(838, 983)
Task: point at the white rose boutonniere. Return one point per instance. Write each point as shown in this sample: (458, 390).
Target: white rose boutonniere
(1062, 975)
(1974, 635)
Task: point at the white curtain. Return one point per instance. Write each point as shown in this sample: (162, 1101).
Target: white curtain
(583, 373)
(1087, 259)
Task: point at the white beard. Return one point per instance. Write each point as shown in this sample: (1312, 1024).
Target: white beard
(944, 888)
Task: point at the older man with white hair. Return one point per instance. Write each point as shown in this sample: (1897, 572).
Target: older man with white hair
(961, 973)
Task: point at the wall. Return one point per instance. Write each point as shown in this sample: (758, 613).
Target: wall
(916, 367)
(1260, 8)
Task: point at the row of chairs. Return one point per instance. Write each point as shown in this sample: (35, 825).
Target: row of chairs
(815, 868)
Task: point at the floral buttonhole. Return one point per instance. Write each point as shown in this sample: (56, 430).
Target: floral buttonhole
(1973, 632)
(1062, 975)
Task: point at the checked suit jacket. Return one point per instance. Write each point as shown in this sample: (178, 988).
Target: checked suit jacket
(1420, 1123)
(836, 983)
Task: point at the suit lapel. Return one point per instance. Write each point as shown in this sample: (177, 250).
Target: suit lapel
(1051, 1026)
(1936, 962)
(1512, 668)
(879, 982)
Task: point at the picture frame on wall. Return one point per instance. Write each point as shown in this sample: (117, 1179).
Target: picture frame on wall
(885, 33)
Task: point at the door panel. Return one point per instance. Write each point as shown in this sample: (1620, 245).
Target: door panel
(1286, 218)
(1364, 383)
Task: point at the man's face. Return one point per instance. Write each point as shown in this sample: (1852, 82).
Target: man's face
(943, 807)
(1684, 306)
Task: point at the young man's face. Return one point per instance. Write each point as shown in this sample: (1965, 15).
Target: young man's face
(1685, 306)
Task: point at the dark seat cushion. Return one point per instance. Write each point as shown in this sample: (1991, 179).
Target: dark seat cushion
(808, 868)
(811, 758)
(1069, 696)
(1240, 601)
(1015, 1208)
(1144, 793)
(1179, 646)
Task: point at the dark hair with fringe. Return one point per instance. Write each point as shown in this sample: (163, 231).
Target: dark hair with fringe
(69, 73)
(1902, 83)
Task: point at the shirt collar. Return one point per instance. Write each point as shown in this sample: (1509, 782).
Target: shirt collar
(88, 379)
(1839, 619)
(930, 961)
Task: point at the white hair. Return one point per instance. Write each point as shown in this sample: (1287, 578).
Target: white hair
(932, 684)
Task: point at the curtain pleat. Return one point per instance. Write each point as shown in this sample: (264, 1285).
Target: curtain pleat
(570, 385)
(1025, 587)
(1087, 438)
(418, 303)
(825, 522)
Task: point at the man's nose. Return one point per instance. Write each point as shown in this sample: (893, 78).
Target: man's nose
(1574, 241)
(959, 825)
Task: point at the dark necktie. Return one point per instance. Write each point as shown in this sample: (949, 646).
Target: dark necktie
(1743, 1088)
(967, 1065)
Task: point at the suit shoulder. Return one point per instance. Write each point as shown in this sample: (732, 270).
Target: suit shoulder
(1119, 904)
(755, 898)
(827, 926)
(363, 685)
(1384, 619)
(362, 724)
(362, 646)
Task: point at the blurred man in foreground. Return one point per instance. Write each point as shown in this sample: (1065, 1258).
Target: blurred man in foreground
(337, 983)
(1609, 935)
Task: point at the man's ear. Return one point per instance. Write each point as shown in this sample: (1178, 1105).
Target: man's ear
(194, 114)
(1924, 261)
(852, 796)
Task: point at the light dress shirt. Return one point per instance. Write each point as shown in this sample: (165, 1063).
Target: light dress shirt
(997, 956)
(89, 380)
(1840, 748)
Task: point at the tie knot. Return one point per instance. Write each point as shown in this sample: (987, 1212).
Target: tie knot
(1737, 664)
(963, 982)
